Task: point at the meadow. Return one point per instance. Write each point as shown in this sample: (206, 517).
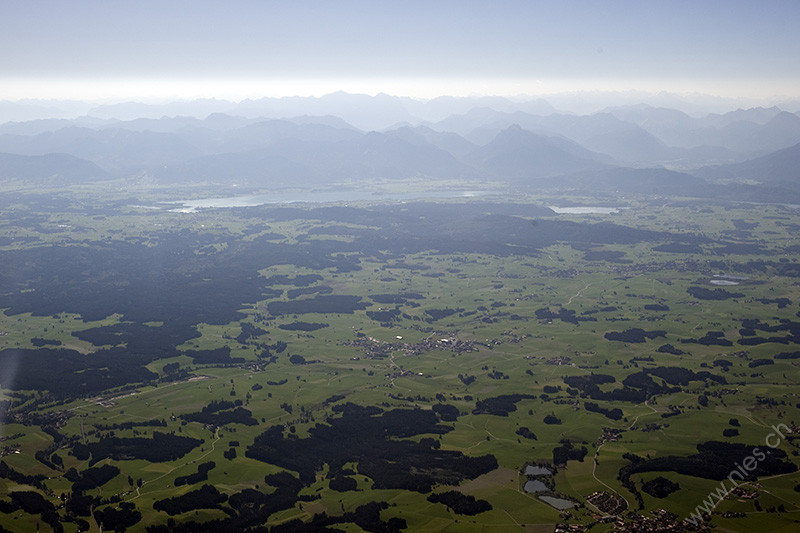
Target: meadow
(424, 305)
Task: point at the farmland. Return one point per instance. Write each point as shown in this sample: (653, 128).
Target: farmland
(338, 364)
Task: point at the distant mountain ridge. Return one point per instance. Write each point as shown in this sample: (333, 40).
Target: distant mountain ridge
(778, 169)
(61, 168)
(625, 148)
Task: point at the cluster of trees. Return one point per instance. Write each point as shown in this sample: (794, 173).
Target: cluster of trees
(613, 414)
(206, 497)
(7, 472)
(660, 487)
(238, 415)
(568, 452)
(302, 291)
(438, 314)
(634, 335)
(447, 412)
(118, 518)
(160, 448)
(216, 356)
(526, 433)
(716, 460)
(91, 478)
(711, 338)
(460, 503)
(34, 503)
(702, 293)
(303, 326)
(383, 451)
(500, 405)
(565, 315)
(197, 477)
(332, 303)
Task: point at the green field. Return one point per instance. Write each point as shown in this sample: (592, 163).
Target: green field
(417, 361)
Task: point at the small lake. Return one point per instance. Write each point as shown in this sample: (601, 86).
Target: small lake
(532, 470)
(535, 486)
(558, 503)
(724, 282)
(320, 196)
(584, 210)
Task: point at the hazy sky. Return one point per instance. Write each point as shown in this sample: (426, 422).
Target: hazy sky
(236, 49)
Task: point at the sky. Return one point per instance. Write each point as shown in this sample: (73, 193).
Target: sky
(143, 49)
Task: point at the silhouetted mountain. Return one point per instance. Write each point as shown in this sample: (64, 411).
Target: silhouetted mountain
(519, 154)
(779, 169)
(294, 161)
(60, 169)
(601, 132)
(450, 142)
(247, 168)
(633, 145)
(264, 133)
(649, 181)
(742, 132)
(113, 149)
(756, 115)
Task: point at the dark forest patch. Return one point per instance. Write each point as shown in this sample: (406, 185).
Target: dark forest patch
(668, 348)
(711, 338)
(39, 342)
(383, 316)
(396, 299)
(216, 356)
(91, 477)
(702, 293)
(781, 302)
(318, 304)
(610, 256)
(161, 448)
(438, 314)
(219, 417)
(787, 355)
(634, 335)
(303, 326)
(717, 460)
(568, 452)
(460, 503)
(565, 315)
(302, 291)
(383, 451)
(201, 475)
(660, 487)
(69, 374)
(500, 405)
(679, 248)
(613, 414)
(206, 497)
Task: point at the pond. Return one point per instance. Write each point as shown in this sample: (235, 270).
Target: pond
(532, 470)
(558, 503)
(534, 486)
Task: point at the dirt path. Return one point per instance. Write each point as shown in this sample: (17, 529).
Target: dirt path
(577, 294)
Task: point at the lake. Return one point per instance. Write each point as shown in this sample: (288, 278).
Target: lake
(584, 210)
(320, 196)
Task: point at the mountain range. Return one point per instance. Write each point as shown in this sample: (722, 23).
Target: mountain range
(638, 148)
